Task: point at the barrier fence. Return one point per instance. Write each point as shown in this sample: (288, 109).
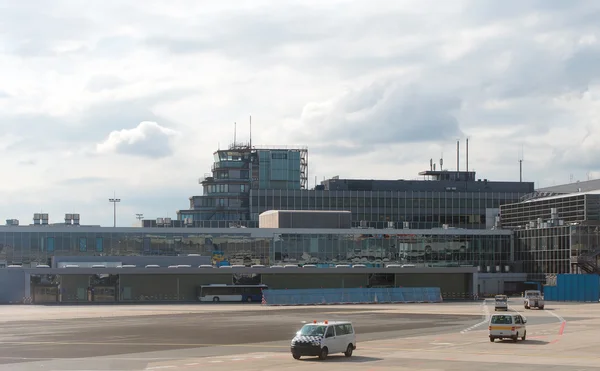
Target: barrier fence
(352, 296)
(461, 296)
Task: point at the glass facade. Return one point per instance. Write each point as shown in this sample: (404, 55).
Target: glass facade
(25, 245)
(432, 250)
(236, 171)
(573, 208)
(556, 234)
(421, 210)
(544, 251)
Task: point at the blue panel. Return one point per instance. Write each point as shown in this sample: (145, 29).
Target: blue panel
(353, 296)
(574, 287)
(550, 293)
(99, 244)
(82, 244)
(50, 244)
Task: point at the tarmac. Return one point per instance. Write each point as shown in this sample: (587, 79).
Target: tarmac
(247, 337)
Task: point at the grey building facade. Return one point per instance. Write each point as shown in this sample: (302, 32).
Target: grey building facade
(445, 198)
(556, 234)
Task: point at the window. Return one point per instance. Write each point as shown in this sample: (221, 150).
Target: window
(502, 320)
(99, 244)
(50, 244)
(330, 332)
(82, 244)
(341, 330)
(279, 156)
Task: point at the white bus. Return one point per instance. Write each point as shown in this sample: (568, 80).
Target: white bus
(231, 293)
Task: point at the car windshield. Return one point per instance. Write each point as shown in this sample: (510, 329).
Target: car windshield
(312, 330)
(501, 320)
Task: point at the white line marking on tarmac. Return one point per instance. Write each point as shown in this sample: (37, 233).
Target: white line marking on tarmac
(486, 312)
(516, 311)
(558, 316)
(192, 364)
(159, 367)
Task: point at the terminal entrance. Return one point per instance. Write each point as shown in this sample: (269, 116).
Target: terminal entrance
(44, 288)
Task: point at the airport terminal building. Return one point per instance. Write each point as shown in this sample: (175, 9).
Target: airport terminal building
(247, 180)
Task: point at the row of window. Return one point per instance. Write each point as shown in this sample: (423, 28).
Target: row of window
(83, 244)
(226, 188)
(391, 203)
(24, 246)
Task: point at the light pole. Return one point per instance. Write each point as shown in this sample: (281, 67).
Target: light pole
(139, 216)
(114, 200)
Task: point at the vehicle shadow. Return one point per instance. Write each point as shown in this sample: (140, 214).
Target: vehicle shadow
(526, 342)
(342, 358)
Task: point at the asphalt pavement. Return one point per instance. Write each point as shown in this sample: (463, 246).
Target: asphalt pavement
(248, 339)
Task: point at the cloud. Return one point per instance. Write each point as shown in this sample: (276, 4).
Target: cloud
(104, 82)
(148, 139)
(379, 114)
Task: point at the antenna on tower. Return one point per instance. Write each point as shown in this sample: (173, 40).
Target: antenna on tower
(250, 131)
(521, 158)
(442, 161)
(458, 155)
(467, 155)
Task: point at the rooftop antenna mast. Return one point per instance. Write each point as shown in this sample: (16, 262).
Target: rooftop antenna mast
(521, 165)
(458, 155)
(467, 154)
(234, 133)
(442, 161)
(250, 131)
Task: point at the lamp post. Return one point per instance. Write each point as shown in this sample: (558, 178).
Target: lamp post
(139, 216)
(114, 200)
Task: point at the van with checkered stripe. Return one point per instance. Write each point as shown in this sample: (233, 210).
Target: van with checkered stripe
(324, 338)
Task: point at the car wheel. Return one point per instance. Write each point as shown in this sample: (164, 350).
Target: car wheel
(216, 298)
(249, 300)
(323, 354)
(296, 356)
(524, 336)
(515, 338)
(349, 350)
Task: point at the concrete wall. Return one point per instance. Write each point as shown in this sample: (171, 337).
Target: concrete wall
(500, 283)
(166, 287)
(447, 282)
(12, 285)
(305, 219)
(315, 281)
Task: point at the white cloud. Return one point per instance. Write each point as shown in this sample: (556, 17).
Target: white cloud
(374, 89)
(148, 139)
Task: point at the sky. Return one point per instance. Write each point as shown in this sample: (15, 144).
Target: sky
(131, 98)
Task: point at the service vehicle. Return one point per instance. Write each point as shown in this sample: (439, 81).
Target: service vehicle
(507, 326)
(501, 302)
(533, 299)
(324, 338)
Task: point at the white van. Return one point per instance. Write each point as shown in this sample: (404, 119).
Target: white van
(324, 338)
(507, 326)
